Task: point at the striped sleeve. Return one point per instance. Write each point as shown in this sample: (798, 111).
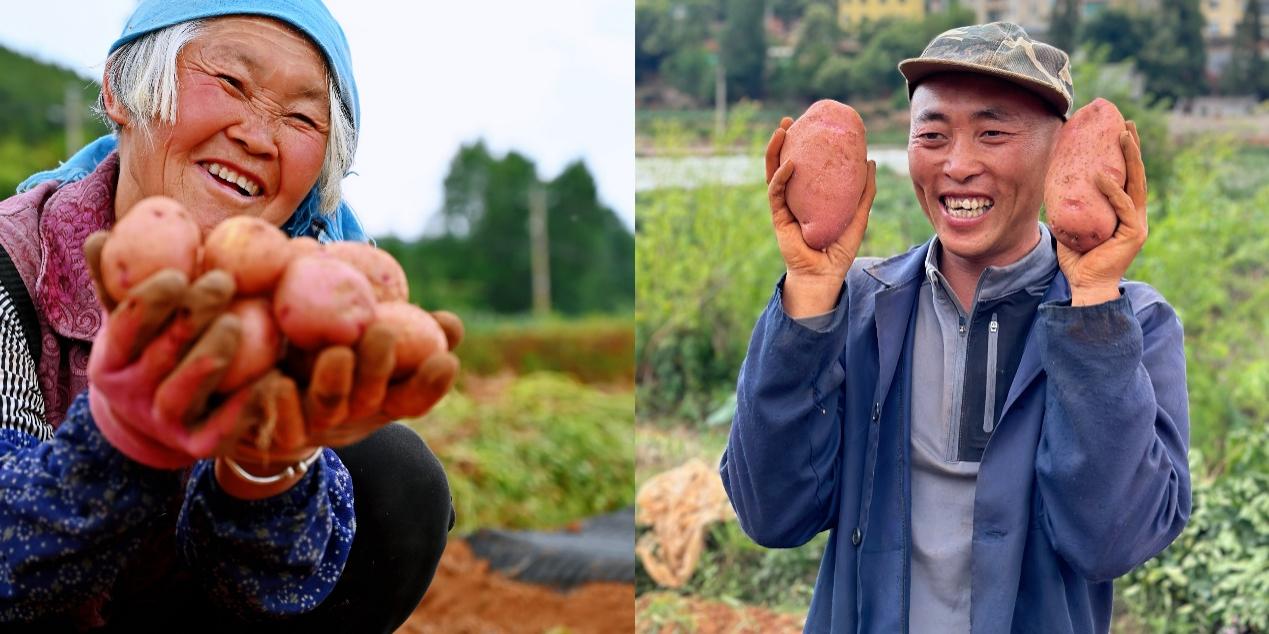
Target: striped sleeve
(21, 403)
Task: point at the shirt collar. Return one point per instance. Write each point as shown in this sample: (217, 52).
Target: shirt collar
(1035, 269)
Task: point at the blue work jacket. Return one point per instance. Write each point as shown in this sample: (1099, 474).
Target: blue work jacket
(1084, 478)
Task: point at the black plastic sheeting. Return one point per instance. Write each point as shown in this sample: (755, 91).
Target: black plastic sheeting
(603, 550)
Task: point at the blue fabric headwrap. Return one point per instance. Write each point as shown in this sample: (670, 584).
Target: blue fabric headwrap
(312, 19)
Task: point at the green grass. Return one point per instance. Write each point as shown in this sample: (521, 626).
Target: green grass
(537, 454)
(592, 350)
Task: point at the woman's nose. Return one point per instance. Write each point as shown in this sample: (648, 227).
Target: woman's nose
(254, 131)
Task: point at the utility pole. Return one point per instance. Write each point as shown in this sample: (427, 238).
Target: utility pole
(539, 252)
(72, 109)
(720, 99)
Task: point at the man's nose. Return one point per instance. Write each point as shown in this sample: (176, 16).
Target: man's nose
(963, 161)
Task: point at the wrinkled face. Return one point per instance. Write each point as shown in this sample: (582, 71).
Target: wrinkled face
(251, 126)
(977, 154)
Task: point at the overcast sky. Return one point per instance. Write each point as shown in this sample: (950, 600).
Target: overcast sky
(552, 79)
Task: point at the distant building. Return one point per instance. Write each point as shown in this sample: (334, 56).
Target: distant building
(1222, 16)
(1031, 15)
(852, 12)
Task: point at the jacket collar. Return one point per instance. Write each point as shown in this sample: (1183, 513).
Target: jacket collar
(911, 265)
(901, 268)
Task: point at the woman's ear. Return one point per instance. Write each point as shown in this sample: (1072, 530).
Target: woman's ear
(114, 108)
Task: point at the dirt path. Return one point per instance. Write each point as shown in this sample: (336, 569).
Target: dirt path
(468, 598)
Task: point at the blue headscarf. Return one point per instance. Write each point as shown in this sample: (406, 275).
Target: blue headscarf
(312, 19)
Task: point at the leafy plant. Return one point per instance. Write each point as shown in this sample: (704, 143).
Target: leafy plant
(1215, 576)
(543, 452)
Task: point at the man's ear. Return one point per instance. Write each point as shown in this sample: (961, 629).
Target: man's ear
(114, 108)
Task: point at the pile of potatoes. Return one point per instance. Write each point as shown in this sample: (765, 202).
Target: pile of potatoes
(293, 296)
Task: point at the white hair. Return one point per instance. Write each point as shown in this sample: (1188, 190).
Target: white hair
(142, 77)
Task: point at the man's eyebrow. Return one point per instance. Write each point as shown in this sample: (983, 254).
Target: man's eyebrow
(927, 116)
(993, 113)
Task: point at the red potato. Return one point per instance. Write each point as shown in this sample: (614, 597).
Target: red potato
(1088, 144)
(157, 233)
(418, 335)
(253, 251)
(304, 245)
(829, 149)
(323, 301)
(260, 346)
(385, 274)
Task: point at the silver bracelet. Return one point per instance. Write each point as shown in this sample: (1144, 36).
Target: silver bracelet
(299, 468)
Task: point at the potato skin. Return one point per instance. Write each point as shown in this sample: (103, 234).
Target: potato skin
(261, 343)
(1088, 144)
(253, 251)
(829, 148)
(384, 272)
(323, 301)
(419, 336)
(157, 233)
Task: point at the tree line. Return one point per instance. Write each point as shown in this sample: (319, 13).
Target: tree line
(684, 43)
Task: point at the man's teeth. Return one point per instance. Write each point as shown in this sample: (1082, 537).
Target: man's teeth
(228, 175)
(967, 207)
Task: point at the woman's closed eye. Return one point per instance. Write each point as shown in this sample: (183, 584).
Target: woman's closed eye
(234, 82)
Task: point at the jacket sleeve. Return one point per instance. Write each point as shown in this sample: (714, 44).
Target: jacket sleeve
(1112, 465)
(275, 557)
(73, 512)
(780, 467)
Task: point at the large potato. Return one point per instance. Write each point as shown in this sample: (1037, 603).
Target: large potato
(253, 251)
(261, 343)
(829, 149)
(418, 335)
(323, 301)
(157, 233)
(1088, 144)
(385, 274)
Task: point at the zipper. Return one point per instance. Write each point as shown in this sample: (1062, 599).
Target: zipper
(989, 407)
(958, 381)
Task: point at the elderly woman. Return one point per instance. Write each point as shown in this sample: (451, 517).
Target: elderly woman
(238, 107)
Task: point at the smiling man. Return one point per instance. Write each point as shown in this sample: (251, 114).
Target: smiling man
(991, 427)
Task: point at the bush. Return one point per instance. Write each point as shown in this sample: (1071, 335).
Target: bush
(544, 452)
(1215, 576)
(595, 350)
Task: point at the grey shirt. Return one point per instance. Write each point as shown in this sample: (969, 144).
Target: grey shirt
(943, 472)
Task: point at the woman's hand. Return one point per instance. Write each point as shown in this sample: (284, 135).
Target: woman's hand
(350, 395)
(154, 363)
(814, 278)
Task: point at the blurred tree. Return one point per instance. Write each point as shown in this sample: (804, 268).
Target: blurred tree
(482, 259)
(816, 43)
(664, 28)
(1121, 32)
(1246, 74)
(1065, 26)
(592, 253)
(743, 48)
(33, 116)
(1174, 59)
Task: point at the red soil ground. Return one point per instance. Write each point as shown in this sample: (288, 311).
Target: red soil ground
(466, 597)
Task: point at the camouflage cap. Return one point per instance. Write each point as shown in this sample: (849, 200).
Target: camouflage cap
(998, 49)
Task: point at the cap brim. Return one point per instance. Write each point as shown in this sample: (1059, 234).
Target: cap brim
(917, 69)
